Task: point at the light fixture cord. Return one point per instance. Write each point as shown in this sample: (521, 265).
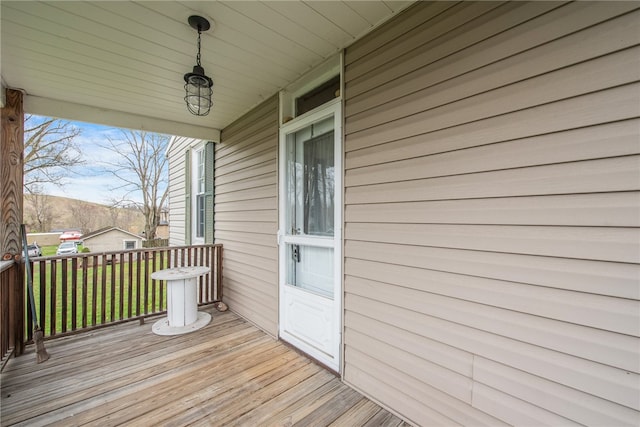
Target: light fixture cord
(198, 57)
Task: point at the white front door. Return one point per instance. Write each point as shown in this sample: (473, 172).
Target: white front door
(310, 234)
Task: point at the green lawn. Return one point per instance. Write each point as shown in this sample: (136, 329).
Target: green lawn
(49, 250)
(126, 293)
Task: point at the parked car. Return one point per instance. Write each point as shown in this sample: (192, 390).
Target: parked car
(34, 250)
(67, 248)
(70, 235)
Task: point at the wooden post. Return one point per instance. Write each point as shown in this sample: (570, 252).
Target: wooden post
(11, 193)
(11, 171)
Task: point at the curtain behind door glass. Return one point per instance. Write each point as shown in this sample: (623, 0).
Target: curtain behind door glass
(319, 185)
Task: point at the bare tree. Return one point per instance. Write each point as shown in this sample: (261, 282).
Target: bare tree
(121, 216)
(42, 212)
(84, 215)
(50, 150)
(141, 167)
(114, 215)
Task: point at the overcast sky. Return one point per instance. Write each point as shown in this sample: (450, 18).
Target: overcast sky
(90, 181)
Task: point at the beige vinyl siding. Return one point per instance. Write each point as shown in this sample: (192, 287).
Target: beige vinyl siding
(492, 214)
(246, 212)
(177, 211)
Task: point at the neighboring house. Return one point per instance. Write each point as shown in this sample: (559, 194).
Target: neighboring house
(446, 215)
(111, 239)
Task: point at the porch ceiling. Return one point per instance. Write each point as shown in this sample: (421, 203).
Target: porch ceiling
(122, 63)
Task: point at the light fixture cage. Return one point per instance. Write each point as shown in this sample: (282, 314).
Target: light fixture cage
(198, 86)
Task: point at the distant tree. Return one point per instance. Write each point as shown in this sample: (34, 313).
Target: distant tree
(114, 215)
(50, 151)
(122, 215)
(142, 169)
(42, 212)
(84, 215)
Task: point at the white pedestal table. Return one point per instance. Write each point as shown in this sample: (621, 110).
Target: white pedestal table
(182, 301)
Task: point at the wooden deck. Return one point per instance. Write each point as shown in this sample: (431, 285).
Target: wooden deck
(228, 373)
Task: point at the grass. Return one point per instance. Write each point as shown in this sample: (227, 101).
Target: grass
(49, 250)
(118, 299)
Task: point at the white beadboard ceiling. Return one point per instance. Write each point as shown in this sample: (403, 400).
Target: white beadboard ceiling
(122, 63)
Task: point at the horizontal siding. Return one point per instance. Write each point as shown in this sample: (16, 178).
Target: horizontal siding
(550, 52)
(246, 214)
(565, 401)
(573, 112)
(594, 277)
(613, 140)
(602, 244)
(613, 314)
(492, 214)
(593, 176)
(594, 210)
(616, 350)
(495, 36)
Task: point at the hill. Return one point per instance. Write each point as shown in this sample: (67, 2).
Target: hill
(43, 213)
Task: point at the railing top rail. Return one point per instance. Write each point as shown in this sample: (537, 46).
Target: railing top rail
(123, 251)
(5, 265)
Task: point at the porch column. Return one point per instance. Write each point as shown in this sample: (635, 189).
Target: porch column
(11, 194)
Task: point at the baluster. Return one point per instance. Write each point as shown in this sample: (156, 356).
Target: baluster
(121, 286)
(74, 293)
(55, 298)
(130, 284)
(94, 290)
(64, 277)
(103, 304)
(85, 287)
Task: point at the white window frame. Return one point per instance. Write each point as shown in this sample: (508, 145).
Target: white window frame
(320, 74)
(124, 244)
(198, 170)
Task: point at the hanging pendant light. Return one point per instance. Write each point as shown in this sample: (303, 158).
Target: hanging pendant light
(198, 86)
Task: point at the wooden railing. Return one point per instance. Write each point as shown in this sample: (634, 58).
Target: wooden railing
(90, 290)
(11, 310)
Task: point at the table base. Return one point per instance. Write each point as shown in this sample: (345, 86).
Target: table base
(161, 327)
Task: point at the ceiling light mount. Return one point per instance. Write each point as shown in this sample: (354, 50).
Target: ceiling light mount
(198, 86)
(199, 23)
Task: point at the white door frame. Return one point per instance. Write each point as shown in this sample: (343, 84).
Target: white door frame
(332, 108)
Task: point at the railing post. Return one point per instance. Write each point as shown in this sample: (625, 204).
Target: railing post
(219, 273)
(11, 177)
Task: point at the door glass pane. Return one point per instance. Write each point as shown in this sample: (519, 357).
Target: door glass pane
(311, 180)
(200, 215)
(318, 185)
(311, 268)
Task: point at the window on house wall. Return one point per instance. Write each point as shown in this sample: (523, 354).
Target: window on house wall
(318, 96)
(129, 244)
(199, 192)
(317, 88)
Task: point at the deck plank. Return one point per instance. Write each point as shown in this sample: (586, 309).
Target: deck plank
(228, 373)
(358, 414)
